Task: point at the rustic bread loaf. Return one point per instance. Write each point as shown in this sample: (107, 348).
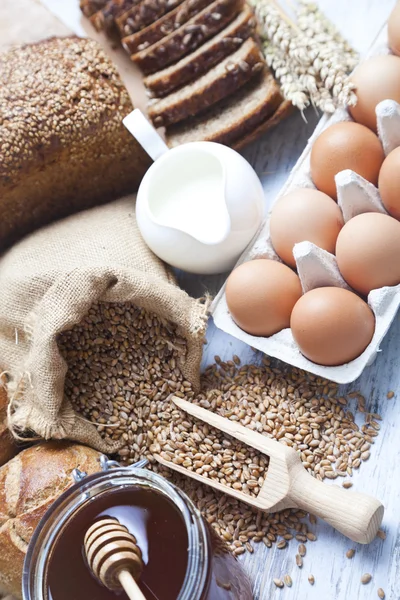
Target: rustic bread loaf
(8, 447)
(188, 37)
(162, 27)
(201, 60)
(233, 118)
(143, 14)
(105, 17)
(221, 81)
(63, 145)
(29, 484)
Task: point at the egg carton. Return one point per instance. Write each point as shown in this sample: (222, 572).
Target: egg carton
(317, 267)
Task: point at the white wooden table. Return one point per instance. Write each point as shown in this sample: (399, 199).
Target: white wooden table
(336, 577)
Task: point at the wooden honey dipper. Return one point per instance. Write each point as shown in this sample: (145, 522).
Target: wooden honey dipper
(114, 557)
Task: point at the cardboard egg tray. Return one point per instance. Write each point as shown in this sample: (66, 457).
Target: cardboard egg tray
(318, 268)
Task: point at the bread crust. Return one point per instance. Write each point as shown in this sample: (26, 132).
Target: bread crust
(77, 154)
(188, 37)
(142, 14)
(29, 484)
(158, 29)
(90, 7)
(205, 57)
(218, 83)
(248, 108)
(105, 18)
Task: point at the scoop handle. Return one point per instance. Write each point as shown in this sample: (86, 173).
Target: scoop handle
(141, 129)
(356, 515)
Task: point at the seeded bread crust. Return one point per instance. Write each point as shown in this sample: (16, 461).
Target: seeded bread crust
(201, 60)
(164, 26)
(77, 153)
(89, 7)
(29, 484)
(189, 37)
(221, 81)
(233, 118)
(105, 17)
(142, 15)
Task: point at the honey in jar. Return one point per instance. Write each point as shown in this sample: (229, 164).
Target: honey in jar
(182, 558)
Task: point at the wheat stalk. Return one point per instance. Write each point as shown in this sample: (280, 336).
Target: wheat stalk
(310, 19)
(310, 58)
(277, 37)
(334, 57)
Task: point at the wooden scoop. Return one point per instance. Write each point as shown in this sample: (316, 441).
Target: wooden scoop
(114, 557)
(289, 485)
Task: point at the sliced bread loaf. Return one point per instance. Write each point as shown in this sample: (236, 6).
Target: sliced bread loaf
(221, 81)
(143, 14)
(167, 24)
(89, 7)
(104, 18)
(188, 37)
(233, 118)
(283, 110)
(201, 60)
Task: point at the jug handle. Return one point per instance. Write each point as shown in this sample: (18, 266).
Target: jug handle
(141, 129)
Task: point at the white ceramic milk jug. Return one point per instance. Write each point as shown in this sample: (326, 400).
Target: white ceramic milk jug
(199, 204)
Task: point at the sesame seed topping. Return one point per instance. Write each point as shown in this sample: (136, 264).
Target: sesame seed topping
(53, 94)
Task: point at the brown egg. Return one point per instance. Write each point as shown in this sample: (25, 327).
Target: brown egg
(342, 146)
(394, 29)
(261, 294)
(368, 252)
(332, 326)
(376, 79)
(304, 215)
(389, 183)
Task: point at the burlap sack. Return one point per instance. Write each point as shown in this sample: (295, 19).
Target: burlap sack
(48, 283)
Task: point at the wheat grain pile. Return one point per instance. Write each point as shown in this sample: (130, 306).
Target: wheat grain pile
(123, 367)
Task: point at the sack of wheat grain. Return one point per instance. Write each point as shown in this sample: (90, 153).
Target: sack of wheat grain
(48, 284)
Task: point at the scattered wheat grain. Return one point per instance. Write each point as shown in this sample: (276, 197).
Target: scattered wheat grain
(288, 581)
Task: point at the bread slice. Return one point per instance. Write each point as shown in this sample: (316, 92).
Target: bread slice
(167, 24)
(90, 7)
(104, 18)
(188, 37)
(233, 118)
(143, 14)
(221, 81)
(283, 110)
(201, 60)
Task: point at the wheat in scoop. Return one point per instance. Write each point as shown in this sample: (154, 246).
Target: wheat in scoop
(287, 480)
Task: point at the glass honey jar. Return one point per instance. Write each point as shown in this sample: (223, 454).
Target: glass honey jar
(183, 558)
